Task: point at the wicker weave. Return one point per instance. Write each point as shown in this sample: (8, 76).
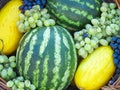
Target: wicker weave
(3, 85)
(115, 86)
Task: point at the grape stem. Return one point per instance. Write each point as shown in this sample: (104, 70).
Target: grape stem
(1, 51)
(118, 3)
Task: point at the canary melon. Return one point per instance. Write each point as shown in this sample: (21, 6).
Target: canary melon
(9, 33)
(95, 70)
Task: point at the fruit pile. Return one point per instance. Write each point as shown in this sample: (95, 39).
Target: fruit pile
(60, 45)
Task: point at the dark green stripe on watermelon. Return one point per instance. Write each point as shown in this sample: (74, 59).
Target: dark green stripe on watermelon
(73, 14)
(48, 58)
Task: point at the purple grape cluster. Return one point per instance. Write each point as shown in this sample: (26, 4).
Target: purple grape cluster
(27, 4)
(115, 44)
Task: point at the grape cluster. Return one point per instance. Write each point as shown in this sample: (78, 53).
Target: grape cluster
(33, 18)
(27, 4)
(115, 44)
(100, 31)
(20, 84)
(7, 66)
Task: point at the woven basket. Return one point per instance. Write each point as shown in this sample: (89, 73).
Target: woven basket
(114, 86)
(3, 85)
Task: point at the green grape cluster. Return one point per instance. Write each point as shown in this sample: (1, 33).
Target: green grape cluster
(7, 66)
(19, 83)
(100, 31)
(33, 18)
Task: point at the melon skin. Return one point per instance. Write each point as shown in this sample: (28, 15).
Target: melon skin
(73, 14)
(47, 57)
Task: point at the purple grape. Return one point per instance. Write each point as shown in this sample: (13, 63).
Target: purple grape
(115, 44)
(27, 4)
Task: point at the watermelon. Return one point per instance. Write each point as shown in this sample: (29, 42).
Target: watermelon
(47, 57)
(73, 14)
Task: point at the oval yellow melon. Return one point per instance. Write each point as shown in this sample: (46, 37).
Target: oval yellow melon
(9, 33)
(95, 71)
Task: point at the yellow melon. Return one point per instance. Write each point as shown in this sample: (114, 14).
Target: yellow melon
(9, 33)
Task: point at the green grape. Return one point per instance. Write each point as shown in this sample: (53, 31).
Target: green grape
(113, 11)
(82, 52)
(93, 43)
(35, 16)
(105, 4)
(91, 31)
(6, 65)
(27, 83)
(112, 6)
(80, 38)
(12, 58)
(99, 35)
(42, 19)
(102, 20)
(4, 73)
(27, 13)
(76, 35)
(95, 22)
(110, 16)
(91, 50)
(20, 85)
(118, 11)
(108, 30)
(104, 14)
(46, 23)
(44, 11)
(10, 83)
(14, 87)
(103, 9)
(46, 16)
(36, 7)
(16, 81)
(108, 39)
(22, 17)
(20, 78)
(98, 29)
(13, 75)
(77, 45)
(85, 55)
(26, 23)
(87, 40)
(1, 67)
(82, 32)
(87, 26)
(52, 22)
(31, 20)
(10, 71)
(1, 59)
(103, 42)
(5, 58)
(21, 27)
(32, 25)
(96, 39)
(32, 87)
(39, 23)
(82, 43)
(12, 64)
(87, 47)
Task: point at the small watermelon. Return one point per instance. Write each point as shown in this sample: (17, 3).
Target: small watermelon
(74, 14)
(47, 57)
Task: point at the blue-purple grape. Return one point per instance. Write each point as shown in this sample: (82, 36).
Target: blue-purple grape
(28, 4)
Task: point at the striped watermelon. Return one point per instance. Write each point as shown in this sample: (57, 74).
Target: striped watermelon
(73, 14)
(47, 57)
